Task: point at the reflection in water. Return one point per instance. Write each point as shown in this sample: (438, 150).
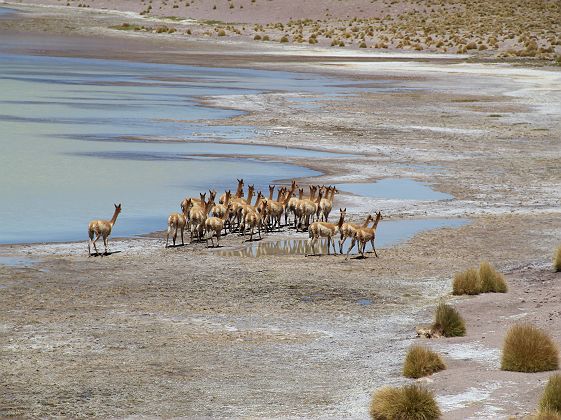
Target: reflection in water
(388, 233)
(260, 249)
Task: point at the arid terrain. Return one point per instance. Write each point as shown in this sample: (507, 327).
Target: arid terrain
(189, 331)
(486, 29)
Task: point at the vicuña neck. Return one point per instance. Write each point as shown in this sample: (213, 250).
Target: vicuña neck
(114, 218)
(341, 221)
(368, 220)
(378, 217)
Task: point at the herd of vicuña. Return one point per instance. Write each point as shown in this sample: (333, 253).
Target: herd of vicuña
(207, 220)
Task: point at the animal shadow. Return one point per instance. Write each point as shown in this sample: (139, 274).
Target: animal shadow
(104, 254)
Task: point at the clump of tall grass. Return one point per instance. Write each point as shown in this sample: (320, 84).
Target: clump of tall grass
(557, 259)
(484, 280)
(550, 401)
(412, 402)
(467, 283)
(448, 321)
(491, 279)
(421, 361)
(529, 349)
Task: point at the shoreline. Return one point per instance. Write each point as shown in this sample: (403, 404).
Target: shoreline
(186, 330)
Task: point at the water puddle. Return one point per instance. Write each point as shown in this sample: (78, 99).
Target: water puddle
(364, 302)
(17, 261)
(395, 189)
(389, 233)
(5, 11)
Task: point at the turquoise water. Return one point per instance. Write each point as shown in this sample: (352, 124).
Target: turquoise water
(76, 139)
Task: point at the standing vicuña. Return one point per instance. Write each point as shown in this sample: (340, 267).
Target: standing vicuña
(177, 222)
(102, 228)
(325, 230)
(349, 230)
(215, 224)
(364, 235)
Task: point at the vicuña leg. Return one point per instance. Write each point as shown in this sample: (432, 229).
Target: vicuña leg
(94, 241)
(374, 248)
(351, 247)
(90, 234)
(167, 236)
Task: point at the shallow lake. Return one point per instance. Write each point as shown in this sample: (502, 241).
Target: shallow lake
(75, 140)
(80, 134)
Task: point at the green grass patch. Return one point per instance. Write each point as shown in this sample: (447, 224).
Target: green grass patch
(529, 349)
(212, 22)
(421, 361)
(411, 402)
(448, 321)
(173, 18)
(127, 27)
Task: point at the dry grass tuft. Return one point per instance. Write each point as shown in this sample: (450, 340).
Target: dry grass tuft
(421, 361)
(557, 257)
(467, 283)
(546, 415)
(529, 349)
(551, 398)
(412, 402)
(448, 321)
(491, 279)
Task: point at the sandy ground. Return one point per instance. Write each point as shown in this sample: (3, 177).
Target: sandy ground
(189, 332)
